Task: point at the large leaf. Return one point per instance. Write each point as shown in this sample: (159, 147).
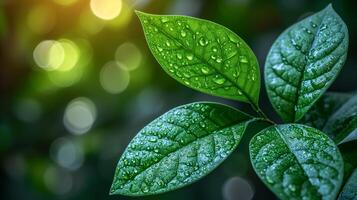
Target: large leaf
(349, 191)
(342, 125)
(297, 162)
(203, 55)
(178, 148)
(320, 112)
(304, 61)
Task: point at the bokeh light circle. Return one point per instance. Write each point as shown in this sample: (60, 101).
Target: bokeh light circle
(129, 55)
(49, 54)
(72, 54)
(67, 153)
(80, 115)
(113, 78)
(237, 188)
(106, 9)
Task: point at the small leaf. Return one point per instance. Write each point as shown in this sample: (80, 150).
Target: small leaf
(304, 61)
(342, 125)
(349, 191)
(320, 112)
(203, 55)
(178, 148)
(297, 162)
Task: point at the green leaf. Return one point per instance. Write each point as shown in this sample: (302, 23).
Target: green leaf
(349, 154)
(203, 55)
(336, 115)
(304, 61)
(320, 112)
(297, 162)
(178, 148)
(349, 191)
(342, 125)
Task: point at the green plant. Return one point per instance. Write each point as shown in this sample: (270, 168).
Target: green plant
(295, 161)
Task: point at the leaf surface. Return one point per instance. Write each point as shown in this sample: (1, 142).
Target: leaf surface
(304, 61)
(178, 148)
(342, 125)
(297, 162)
(349, 191)
(336, 115)
(203, 55)
(320, 112)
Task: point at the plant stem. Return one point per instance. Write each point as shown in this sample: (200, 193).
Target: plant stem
(261, 113)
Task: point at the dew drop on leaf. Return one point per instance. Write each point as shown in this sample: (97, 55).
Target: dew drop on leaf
(219, 80)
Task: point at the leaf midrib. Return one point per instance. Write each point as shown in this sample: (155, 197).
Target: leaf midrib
(191, 142)
(302, 75)
(298, 161)
(207, 63)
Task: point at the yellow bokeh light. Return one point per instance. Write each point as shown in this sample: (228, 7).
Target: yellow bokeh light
(106, 9)
(124, 17)
(113, 78)
(67, 75)
(49, 55)
(71, 57)
(41, 19)
(129, 55)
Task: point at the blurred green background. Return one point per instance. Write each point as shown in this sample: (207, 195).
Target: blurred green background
(77, 82)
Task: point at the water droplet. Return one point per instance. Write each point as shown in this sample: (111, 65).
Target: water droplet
(205, 70)
(323, 27)
(240, 92)
(203, 41)
(189, 56)
(313, 24)
(243, 59)
(183, 33)
(160, 49)
(179, 56)
(219, 80)
(219, 60)
(156, 30)
(202, 124)
(164, 20)
(152, 139)
(145, 189)
(186, 74)
(253, 77)
(145, 21)
(187, 83)
(168, 43)
(213, 57)
(270, 180)
(214, 49)
(292, 188)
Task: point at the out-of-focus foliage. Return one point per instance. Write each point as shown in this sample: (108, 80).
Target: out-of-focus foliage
(77, 82)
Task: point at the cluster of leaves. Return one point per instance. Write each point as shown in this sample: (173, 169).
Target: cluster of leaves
(295, 161)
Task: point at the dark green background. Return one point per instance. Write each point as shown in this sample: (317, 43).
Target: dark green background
(25, 147)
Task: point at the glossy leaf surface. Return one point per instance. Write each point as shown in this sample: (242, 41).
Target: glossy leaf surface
(203, 55)
(304, 61)
(297, 162)
(178, 148)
